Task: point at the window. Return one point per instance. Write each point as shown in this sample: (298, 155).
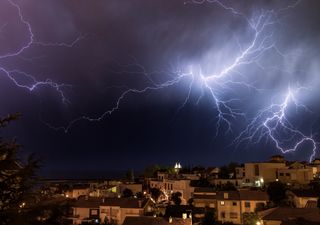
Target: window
(94, 212)
(256, 170)
(223, 215)
(288, 174)
(234, 203)
(222, 203)
(281, 174)
(233, 215)
(247, 204)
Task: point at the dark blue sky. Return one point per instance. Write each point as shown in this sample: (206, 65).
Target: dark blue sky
(183, 73)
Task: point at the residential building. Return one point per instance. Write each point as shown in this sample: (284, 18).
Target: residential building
(144, 220)
(232, 204)
(295, 174)
(86, 210)
(78, 190)
(257, 174)
(303, 198)
(301, 216)
(221, 182)
(172, 185)
(205, 197)
(117, 209)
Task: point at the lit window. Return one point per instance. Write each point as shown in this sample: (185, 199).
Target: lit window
(222, 203)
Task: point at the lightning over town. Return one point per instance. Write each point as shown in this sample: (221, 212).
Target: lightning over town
(159, 112)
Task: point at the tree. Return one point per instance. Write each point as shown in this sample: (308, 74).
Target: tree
(130, 175)
(155, 193)
(16, 179)
(127, 193)
(190, 201)
(21, 200)
(226, 171)
(228, 187)
(277, 192)
(139, 194)
(208, 218)
(250, 218)
(151, 171)
(176, 198)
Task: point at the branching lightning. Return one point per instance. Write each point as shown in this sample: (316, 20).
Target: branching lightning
(213, 84)
(271, 122)
(30, 82)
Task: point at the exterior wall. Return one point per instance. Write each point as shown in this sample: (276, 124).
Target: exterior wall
(135, 188)
(75, 193)
(252, 207)
(111, 213)
(240, 172)
(118, 214)
(235, 207)
(169, 186)
(130, 212)
(266, 171)
(202, 203)
(300, 202)
(235, 182)
(80, 214)
(298, 176)
(271, 222)
(225, 209)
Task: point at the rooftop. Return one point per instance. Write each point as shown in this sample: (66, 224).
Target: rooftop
(144, 220)
(284, 214)
(125, 202)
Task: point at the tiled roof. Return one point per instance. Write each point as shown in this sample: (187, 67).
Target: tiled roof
(282, 214)
(197, 196)
(311, 204)
(121, 202)
(253, 195)
(144, 220)
(205, 189)
(243, 195)
(232, 195)
(88, 203)
(305, 193)
(125, 202)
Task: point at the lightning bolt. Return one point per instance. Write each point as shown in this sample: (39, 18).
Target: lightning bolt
(273, 124)
(213, 85)
(23, 79)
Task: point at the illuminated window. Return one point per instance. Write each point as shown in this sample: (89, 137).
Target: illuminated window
(94, 212)
(222, 203)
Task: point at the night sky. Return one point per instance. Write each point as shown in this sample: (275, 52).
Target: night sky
(127, 84)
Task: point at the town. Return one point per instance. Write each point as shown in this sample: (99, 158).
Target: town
(272, 192)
